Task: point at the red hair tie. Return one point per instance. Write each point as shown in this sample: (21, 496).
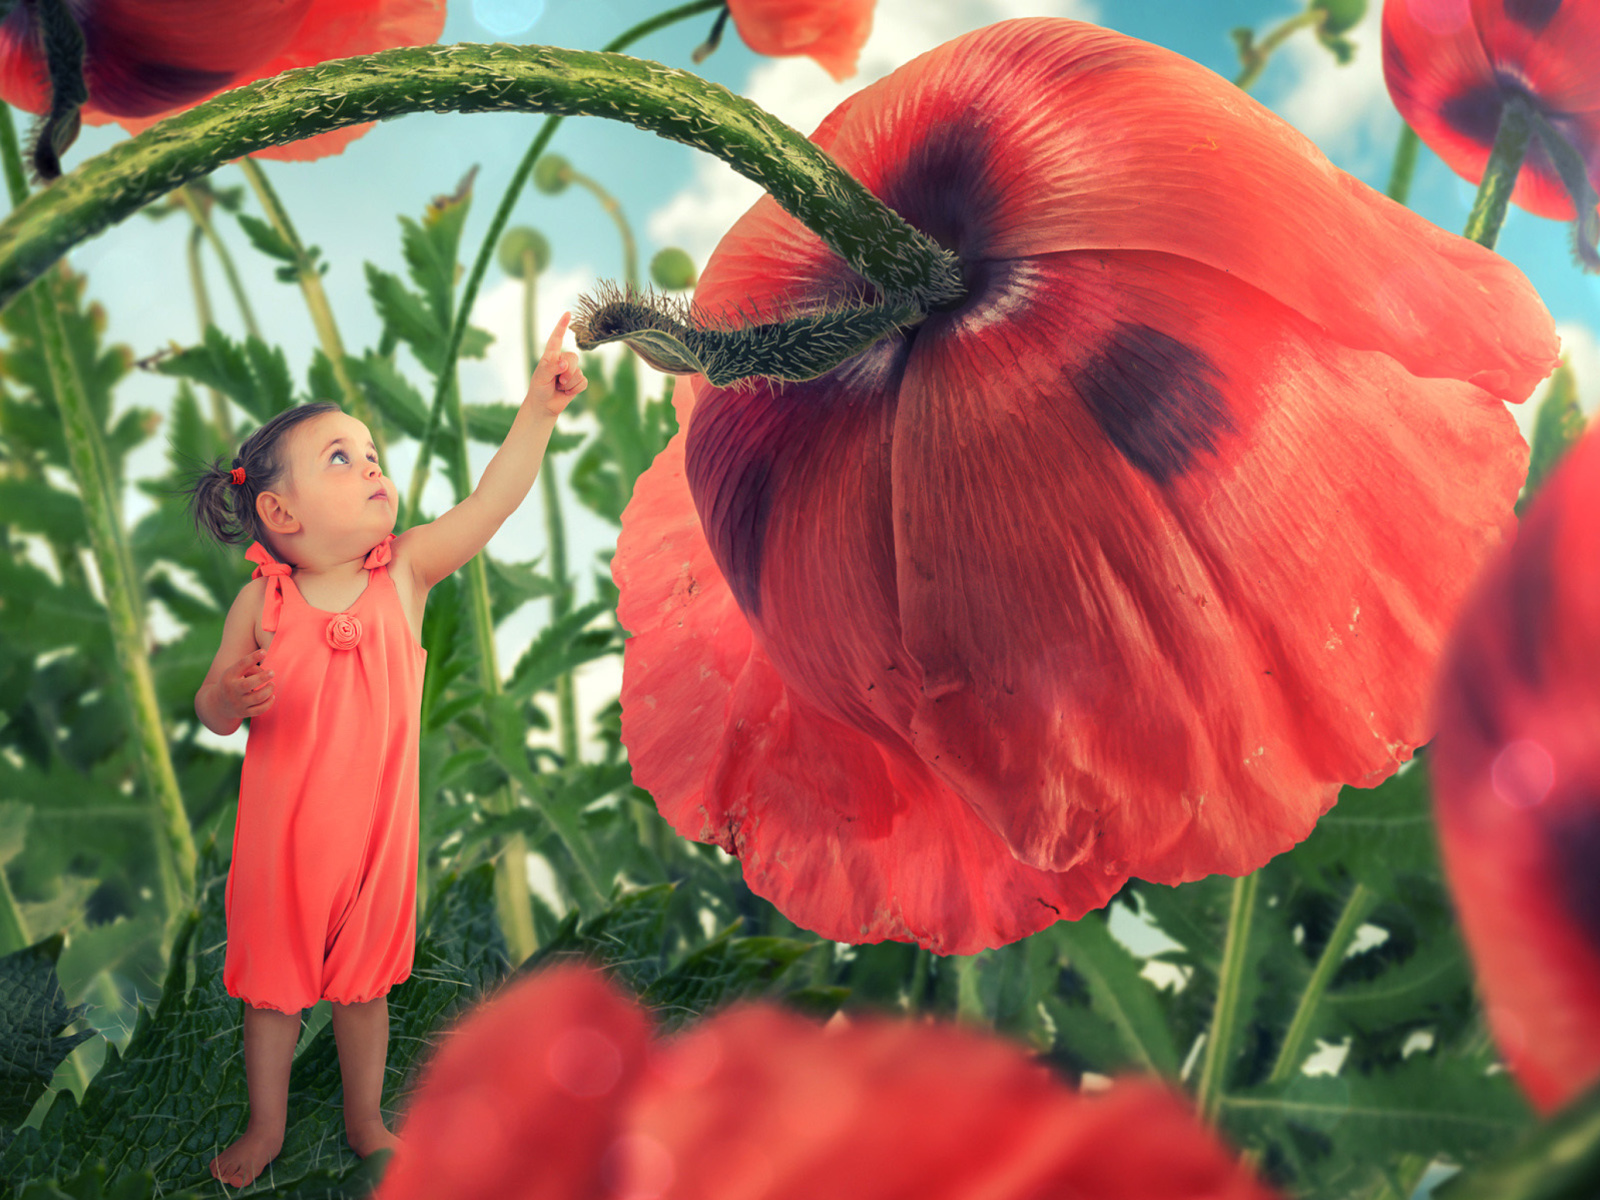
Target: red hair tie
(238, 475)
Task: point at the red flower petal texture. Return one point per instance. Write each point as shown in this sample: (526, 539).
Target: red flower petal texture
(1452, 64)
(146, 59)
(830, 31)
(760, 1102)
(1516, 771)
(1122, 566)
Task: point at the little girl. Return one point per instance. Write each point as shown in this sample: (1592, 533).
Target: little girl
(321, 652)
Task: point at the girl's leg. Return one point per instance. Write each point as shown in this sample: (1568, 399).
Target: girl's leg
(361, 1032)
(269, 1040)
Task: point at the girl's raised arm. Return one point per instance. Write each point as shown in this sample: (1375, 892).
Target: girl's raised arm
(434, 550)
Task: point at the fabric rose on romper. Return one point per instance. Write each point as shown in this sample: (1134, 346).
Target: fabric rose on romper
(830, 31)
(558, 1076)
(343, 631)
(1120, 567)
(145, 59)
(1454, 66)
(1516, 771)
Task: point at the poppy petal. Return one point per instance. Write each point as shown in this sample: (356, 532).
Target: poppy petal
(1104, 564)
(1046, 136)
(759, 1102)
(1550, 46)
(1516, 771)
(850, 836)
(830, 31)
(504, 1091)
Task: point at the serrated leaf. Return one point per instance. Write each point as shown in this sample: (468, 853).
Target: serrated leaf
(1374, 834)
(1346, 1127)
(726, 969)
(1558, 1159)
(33, 506)
(32, 1016)
(321, 381)
(511, 585)
(1119, 993)
(252, 374)
(625, 937)
(13, 829)
(561, 646)
(268, 240)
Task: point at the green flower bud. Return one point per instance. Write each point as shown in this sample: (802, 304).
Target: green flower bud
(1342, 15)
(551, 174)
(673, 270)
(515, 246)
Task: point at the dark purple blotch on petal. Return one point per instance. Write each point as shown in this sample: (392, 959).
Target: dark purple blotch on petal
(941, 187)
(1532, 598)
(1476, 114)
(1532, 14)
(1573, 832)
(1156, 398)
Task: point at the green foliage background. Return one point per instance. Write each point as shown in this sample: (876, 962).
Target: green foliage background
(121, 1070)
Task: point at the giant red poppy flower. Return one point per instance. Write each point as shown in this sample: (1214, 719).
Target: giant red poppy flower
(830, 31)
(1452, 65)
(145, 59)
(1516, 770)
(1121, 566)
(556, 1080)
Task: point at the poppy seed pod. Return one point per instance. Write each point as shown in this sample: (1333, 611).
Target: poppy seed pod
(1101, 572)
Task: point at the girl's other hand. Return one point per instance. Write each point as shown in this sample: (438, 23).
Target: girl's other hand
(247, 688)
(558, 376)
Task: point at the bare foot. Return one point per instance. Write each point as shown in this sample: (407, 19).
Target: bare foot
(367, 1136)
(241, 1162)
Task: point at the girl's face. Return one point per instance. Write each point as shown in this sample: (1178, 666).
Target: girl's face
(335, 485)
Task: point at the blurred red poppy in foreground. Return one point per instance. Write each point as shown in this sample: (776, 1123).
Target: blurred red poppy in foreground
(1121, 566)
(830, 31)
(145, 59)
(1453, 65)
(555, 1088)
(1516, 770)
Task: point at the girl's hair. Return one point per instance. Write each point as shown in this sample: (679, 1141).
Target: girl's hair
(227, 510)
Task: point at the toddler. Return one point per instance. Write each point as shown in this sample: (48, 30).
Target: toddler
(321, 652)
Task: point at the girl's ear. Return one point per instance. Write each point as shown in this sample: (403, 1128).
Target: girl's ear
(274, 512)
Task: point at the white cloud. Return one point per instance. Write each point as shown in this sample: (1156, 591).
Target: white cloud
(1343, 109)
(800, 93)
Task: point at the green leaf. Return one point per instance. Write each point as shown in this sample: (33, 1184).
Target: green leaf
(724, 970)
(13, 829)
(1375, 834)
(32, 1016)
(627, 938)
(1336, 1131)
(1119, 993)
(177, 1095)
(561, 646)
(1556, 1160)
(254, 375)
(511, 585)
(268, 240)
(33, 506)
(1558, 424)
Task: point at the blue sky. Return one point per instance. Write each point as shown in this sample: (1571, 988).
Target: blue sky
(349, 204)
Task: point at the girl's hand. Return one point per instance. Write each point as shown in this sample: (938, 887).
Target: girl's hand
(558, 377)
(246, 689)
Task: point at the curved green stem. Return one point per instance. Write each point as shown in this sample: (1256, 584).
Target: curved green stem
(1500, 175)
(1290, 1055)
(1405, 165)
(554, 526)
(1256, 54)
(230, 272)
(316, 301)
(1227, 1012)
(202, 307)
(881, 246)
(613, 209)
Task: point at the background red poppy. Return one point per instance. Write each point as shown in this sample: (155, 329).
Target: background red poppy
(145, 59)
(1516, 767)
(1095, 575)
(830, 31)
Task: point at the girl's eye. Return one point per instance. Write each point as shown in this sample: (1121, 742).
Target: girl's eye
(339, 456)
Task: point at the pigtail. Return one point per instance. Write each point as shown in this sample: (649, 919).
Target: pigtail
(218, 505)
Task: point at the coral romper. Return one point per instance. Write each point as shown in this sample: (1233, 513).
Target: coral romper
(321, 898)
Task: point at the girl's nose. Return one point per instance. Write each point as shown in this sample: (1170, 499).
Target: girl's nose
(373, 469)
